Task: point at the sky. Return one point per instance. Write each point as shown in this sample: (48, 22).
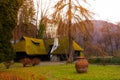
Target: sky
(108, 10)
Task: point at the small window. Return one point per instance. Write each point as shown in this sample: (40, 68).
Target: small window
(36, 43)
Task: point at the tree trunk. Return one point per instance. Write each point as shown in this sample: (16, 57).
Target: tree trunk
(70, 58)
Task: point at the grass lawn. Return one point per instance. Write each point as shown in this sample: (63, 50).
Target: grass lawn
(62, 72)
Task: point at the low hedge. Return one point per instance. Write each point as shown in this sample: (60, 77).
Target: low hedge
(104, 60)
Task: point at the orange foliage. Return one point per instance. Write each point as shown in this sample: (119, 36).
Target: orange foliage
(35, 61)
(9, 76)
(27, 61)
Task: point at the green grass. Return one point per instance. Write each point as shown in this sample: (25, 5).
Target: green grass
(64, 72)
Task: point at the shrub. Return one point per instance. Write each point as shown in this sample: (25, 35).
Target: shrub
(105, 60)
(26, 61)
(115, 60)
(8, 63)
(35, 61)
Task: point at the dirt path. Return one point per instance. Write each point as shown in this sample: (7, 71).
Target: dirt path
(52, 63)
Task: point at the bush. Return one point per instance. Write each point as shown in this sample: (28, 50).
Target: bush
(27, 61)
(35, 61)
(105, 60)
(115, 60)
(8, 63)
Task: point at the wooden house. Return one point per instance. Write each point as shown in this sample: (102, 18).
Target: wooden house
(32, 47)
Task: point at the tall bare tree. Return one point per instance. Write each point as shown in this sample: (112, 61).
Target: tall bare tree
(42, 10)
(108, 37)
(117, 37)
(69, 12)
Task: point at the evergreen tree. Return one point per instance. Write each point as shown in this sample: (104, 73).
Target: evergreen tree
(8, 20)
(41, 31)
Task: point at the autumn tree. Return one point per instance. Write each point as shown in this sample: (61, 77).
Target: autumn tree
(26, 19)
(26, 12)
(116, 40)
(117, 37)
(69, 12)
(107, 33)
(8, 21)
